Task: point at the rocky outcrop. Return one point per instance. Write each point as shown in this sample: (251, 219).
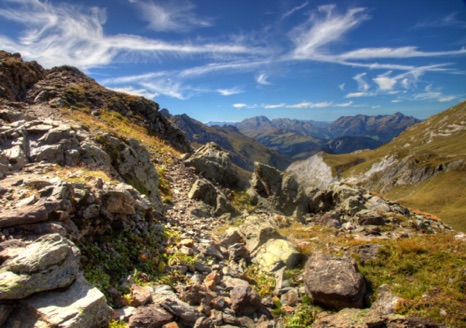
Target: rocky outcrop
(334, 282)
(276, 190)
(26, 142)
(17, 77)
(205, 191)
(213, 163)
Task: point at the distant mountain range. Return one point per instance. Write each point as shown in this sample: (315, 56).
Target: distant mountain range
(299, 139)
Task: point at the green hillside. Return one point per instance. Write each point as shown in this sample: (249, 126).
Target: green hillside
(424, 167)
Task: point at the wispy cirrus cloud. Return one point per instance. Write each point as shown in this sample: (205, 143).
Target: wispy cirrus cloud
(294, 9)
(231, 91)
(171, 15)
(449, 20)
(262, 78)
(137, 92)
(362, 84)
(64, 33)
(300, 105)
(323, 28)
(402, 52)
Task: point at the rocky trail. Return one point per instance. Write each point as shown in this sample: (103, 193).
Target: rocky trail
(103, 223)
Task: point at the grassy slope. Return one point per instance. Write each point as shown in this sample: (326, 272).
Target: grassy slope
(444, 195)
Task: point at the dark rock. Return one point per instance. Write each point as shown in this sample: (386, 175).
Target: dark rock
(329, 220)
(368, 217)
(237, 251)
(245, 300)
(334, 282)
(149, 316)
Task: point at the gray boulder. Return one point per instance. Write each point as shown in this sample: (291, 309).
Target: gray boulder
(81, 305)
(334, 282)
(48, 263)
(214, 164)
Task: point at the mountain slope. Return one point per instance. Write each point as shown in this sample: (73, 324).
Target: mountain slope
(424, 167)
(244, 150)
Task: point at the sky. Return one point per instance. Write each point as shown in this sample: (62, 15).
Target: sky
(227, 60)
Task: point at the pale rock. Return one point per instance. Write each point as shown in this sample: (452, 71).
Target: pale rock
(275, 254)
(48, 263)
(81, 305)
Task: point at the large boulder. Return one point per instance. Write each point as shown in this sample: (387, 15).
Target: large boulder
(48, 263)
(334, 282)
(275, 254)
(277, 190)
(214, 164)
(244, 300)
(81, 305)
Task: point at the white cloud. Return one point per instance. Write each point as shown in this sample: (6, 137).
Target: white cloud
(449, 20)
(73, 34)
(294, 9)
(385, 82)
(137, 92)
(171, 15)
(347, 104)
(307, 104)
(274, 106)
(357, 94)
(262, 79)
(231, 91)
(321, 30)
(447, 98)
(342, 87)
(240, 106)
(362, 84)
(402, 52)
(167, 88)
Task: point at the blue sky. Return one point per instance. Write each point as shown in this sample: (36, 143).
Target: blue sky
(226, 60)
